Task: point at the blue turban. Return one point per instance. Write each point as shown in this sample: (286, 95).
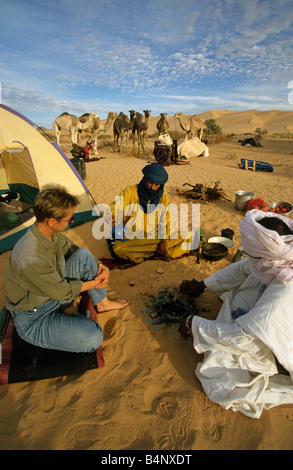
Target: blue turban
(153, 173)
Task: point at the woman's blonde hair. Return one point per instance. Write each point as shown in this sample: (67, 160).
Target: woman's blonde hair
(53, 201)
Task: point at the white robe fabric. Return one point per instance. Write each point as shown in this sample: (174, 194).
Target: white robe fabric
(239, 370)
(272, 253)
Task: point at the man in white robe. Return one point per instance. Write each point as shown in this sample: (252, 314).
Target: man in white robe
(255, 324)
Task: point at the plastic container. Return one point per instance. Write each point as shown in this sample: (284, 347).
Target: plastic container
(228, 233)
(79, 165)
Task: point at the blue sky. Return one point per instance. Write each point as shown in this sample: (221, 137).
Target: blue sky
(169, 56)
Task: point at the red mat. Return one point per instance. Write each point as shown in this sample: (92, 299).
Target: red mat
(23, 362)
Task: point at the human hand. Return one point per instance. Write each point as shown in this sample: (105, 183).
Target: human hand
(162, 247)
(192, 288)
(102, 276)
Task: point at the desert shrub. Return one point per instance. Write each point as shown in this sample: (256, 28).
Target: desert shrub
(212, 127)
(281, 136)
(260, 131)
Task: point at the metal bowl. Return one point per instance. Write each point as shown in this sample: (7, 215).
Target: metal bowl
(282, 203)
(214, 251)
(223, 240)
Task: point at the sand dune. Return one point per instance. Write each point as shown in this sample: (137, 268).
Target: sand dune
(147, 396)
(238, 122)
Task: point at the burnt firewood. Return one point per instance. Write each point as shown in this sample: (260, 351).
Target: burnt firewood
(203, 193)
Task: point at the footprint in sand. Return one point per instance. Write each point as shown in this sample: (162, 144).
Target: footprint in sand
(210, 416)
(176, 438)
(166, 406)
(49, 395)
(117, 382)
(180, 434)
(56, 390)
(106, 435)
(169, 366)
(134, 400)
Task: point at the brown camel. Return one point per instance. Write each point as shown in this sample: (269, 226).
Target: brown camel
(162, 124)
(66, 122)
(121, 126)
(94, 126)
(140, 126)
(193, 126)
(132, 114)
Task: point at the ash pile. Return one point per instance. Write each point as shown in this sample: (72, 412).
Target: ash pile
(167, 307)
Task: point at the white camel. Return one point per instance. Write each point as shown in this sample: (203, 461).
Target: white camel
(193, 148)
(193, 126)
(90, 123)
(66, 122)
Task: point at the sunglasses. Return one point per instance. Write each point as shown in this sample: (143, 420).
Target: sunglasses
(70, 221)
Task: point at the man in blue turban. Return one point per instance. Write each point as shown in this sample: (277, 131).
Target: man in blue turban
(151, 188)
(142, 210)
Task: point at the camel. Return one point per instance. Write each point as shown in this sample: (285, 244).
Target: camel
(66, 122)
(140, 126)
(121, 126)
(192, 148)
(132, 114)
(162, 124)
(193, 126)
(91, 124)
(106, 125)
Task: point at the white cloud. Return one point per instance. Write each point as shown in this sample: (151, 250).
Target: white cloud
(81, 55)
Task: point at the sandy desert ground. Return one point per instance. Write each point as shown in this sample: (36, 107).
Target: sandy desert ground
(147, 395)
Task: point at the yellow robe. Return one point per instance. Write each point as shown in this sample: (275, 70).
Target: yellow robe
(146, 228)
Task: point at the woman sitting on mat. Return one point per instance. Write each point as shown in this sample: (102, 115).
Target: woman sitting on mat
(45, 275)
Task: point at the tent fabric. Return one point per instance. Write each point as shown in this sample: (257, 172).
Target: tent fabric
(27, 162)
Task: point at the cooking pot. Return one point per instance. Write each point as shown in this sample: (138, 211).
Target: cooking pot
(214, 251)
(241, 199)
(284, 204)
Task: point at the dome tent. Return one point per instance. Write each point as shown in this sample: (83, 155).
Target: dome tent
(27, 162)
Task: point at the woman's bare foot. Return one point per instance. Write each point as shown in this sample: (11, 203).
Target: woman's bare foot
(73, 307)
(107, 305)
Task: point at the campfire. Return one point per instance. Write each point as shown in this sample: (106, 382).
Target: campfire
(168, 307)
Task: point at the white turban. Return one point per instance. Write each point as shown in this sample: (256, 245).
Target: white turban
(274, 251)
